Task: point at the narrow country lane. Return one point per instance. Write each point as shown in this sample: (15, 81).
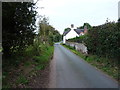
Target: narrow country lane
(73, 72)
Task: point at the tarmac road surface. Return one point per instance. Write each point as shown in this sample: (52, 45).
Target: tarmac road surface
(73, 72)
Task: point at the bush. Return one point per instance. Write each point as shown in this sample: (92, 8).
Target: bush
(80, 39)
(103, 40)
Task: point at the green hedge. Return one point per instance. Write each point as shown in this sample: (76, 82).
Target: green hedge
(103, 40)
(78, 39)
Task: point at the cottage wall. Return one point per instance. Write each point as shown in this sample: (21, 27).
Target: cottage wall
(71, 34)
(64, 39)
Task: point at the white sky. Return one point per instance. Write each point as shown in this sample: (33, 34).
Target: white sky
(63, 13)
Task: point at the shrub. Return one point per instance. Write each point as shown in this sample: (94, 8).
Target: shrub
(80, 39)
(103, 40)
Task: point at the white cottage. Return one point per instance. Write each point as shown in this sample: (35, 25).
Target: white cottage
(72, 33)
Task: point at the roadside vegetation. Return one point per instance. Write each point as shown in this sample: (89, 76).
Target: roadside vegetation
(103, 47)
(25, 52)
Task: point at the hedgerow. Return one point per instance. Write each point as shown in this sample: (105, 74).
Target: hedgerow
(103, 40)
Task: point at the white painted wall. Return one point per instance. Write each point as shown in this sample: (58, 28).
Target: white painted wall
(64, 39)
(71, 34)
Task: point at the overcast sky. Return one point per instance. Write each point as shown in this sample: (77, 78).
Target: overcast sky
(63, 13)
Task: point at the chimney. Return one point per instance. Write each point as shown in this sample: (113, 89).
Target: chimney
(85, 29)
(72, 25)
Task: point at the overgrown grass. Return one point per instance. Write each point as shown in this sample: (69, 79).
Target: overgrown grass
(40, 67)
(101, 63)
(27, 63)
(32, 60)
(22, 80)
(43, 59)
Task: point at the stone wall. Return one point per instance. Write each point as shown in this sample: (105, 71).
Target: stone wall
(78, 46)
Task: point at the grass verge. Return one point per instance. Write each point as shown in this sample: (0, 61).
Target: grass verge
(22, 80)
(20, 73)
(99, 62)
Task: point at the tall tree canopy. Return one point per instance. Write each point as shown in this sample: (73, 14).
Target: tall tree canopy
(85, 24)
(47, 33)
(18, 25)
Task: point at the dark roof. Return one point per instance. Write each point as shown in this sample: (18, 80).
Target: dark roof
(78, 31)
(66, 32)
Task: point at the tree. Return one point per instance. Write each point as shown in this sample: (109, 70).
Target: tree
(18, 26)
(88, 25)
(57, 36)
(47, 33)
(85, 24)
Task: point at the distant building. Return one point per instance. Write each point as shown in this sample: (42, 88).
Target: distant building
(72, 33)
